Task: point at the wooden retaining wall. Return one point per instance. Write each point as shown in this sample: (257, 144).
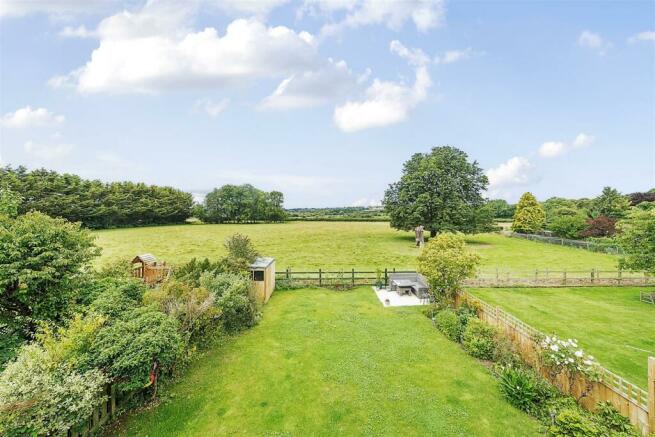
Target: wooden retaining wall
(630, 400)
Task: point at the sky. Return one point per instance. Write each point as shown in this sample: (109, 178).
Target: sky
(325, 100)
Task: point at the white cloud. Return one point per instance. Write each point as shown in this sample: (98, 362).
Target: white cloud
(452, 56)
(551, 149)
(583, 140)
(47, 152)
(312, 88)
(58, 8)
(115, 161)
(593, 41)
(210, 107)
(514, 172)
(648, 36)
(27, 117)
(385, 102)
(425, 14)
(415, 57)
(77, 32)
(155, 49)
(365, 201)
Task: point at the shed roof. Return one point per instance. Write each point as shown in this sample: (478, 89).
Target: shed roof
(262, 262)
(146, 258)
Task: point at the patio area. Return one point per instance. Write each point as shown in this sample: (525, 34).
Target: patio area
(390, 298)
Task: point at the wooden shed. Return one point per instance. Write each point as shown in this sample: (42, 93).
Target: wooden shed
(262, 272)
(146, 267)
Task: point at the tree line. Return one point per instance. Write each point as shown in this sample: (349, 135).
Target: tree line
(94, 203)
(241, 204)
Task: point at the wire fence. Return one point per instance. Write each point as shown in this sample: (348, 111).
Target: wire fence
(580, 244)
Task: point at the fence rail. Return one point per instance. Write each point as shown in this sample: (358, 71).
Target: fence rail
(483, 278)
(629, 399)
(580, 244)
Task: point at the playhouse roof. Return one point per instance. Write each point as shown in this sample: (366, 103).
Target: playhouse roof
(261, 263)
(146, 258)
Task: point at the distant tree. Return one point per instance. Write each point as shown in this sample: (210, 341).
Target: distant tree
(440, 190)
(40, 259)
(601, 226)
(500, 209)
(241, 248)
(529, 216)
(198, 211)
(568, 226)
(556, 206)
(637, 238)
(637, 198)
(610, 203)
(243, 204)
(446, 262)
(9, 202)
(94, 203)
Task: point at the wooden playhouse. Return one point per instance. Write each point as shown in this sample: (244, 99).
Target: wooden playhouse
(147, 268)
(262, 273)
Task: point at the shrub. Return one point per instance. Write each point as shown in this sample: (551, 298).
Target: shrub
(479, 339)
(451, 325)
(525, 390)
(572, 422)
(568, 226)
(612, 421)
(600, 226)
(193, 307)
(41, 259)
(40, 395)
(234, 298)
(118, 297)
(446, 262)
(239, 247)
(143, 341)
(191, 271)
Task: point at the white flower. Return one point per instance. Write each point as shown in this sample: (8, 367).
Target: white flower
(554, 348)
(579, 353)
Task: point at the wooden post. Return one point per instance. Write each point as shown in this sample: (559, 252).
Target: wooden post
(592, 275)
(564, 276)
(287, 273)
(536, 275)
(353, 282)
(651, 393)
(320, 277)
(386, 278)
(112, 401)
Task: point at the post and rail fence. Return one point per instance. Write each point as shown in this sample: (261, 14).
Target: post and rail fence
(482, 279)
(630, 400)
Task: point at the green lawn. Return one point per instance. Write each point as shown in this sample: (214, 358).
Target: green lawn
(335, 363)
(337, 245)
(610, 323)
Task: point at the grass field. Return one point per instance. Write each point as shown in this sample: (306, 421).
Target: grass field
(610, 323)
(337, 245)
(335, 363)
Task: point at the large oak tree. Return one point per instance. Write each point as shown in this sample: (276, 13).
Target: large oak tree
(441, 190)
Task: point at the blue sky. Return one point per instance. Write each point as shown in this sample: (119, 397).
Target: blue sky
(324, 100)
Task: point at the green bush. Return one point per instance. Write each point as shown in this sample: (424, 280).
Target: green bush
(479, 339)
(234, 298)
(40, 394)
(525, 390)
(572, 422)
(568, 226)
(193, 307)
(129, 348)
(450, 324)
(613, 422)
(118, 297)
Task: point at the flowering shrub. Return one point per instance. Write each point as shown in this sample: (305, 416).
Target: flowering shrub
(566, 356)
